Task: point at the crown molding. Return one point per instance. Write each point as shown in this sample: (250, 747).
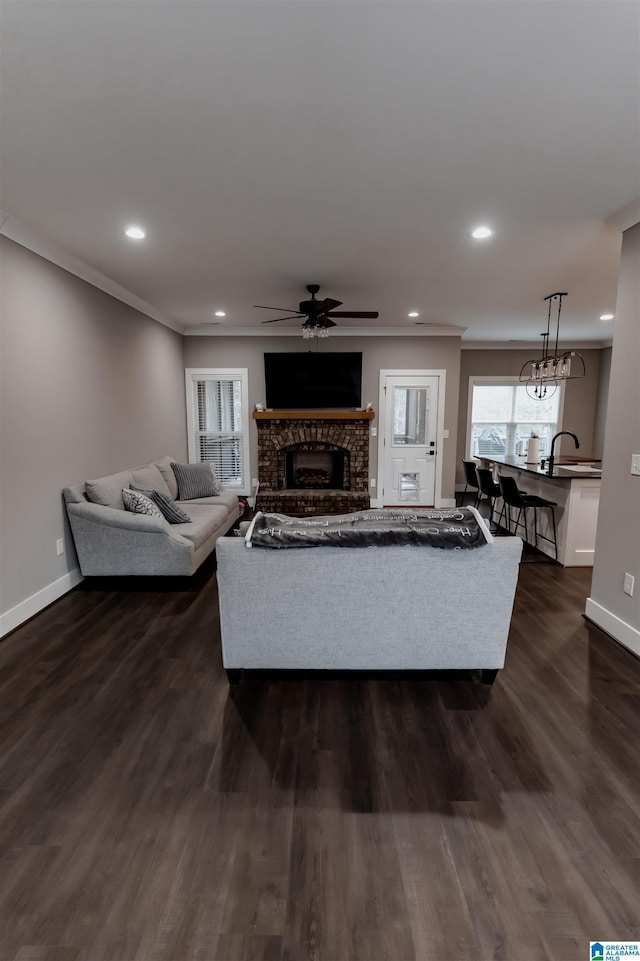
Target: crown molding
(627, 216)
(421, 331)
(27, 237)
(533, 345)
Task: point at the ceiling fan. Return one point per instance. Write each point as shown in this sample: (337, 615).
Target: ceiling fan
(318, 313)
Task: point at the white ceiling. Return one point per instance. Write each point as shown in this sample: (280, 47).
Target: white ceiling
(266, 145)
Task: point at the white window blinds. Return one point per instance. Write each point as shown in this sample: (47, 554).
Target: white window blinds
(218, 423)
(503, 417)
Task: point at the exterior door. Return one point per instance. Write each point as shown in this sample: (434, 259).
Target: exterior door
(410, 440)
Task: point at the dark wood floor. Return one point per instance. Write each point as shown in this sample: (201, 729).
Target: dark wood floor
(149, 813)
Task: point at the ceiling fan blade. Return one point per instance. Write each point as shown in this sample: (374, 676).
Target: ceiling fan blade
(283, 309)
(276, 319)
(365, 314)
(323, 306)
(324, 322)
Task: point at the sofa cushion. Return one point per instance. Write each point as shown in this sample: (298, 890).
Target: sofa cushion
(107, 491)
(164, 466)
(150, 478)
(137, 503)
(205, 521)
(194, 480)
(167, 507)
(217, 484)
(225, 499)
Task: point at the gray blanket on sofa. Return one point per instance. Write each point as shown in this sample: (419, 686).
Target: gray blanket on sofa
(452, 529)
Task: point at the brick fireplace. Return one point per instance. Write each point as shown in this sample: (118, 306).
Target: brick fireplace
(313, 462)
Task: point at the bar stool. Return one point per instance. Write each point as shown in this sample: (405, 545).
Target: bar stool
(491, 490)
(470, 480)
(513, 497)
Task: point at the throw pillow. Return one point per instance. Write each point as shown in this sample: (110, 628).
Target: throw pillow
(167, 507)
(138, 503)
(194, 480)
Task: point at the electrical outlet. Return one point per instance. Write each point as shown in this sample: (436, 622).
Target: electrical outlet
(628, 584)
(374, 431)
(60, 546)
(254, 481)
(373, 483)
(635, 464)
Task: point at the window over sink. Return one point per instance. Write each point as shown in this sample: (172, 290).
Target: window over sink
(502, 417)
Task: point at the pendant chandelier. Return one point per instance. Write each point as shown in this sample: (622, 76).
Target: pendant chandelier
(542, 375)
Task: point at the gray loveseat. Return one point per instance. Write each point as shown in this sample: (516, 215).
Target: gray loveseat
(111, 541)
(374, 608)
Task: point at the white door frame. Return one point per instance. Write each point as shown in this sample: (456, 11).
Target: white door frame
(382, 403)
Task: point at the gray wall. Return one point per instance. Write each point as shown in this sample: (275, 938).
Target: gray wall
(601, 406)
(89, 386)
(618, 536)
(377, 353)
(581, 395)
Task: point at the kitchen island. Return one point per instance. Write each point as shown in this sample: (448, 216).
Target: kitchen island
(575, 487)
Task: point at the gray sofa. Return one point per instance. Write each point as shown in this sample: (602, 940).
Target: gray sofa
(374, 608)
(111, 541)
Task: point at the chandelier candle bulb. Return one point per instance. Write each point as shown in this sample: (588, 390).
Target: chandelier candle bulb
(533, 450)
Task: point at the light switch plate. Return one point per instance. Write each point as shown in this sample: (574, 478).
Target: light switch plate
(635, 464)
(628, 584)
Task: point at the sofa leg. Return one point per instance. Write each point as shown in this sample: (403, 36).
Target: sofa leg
(489, 676)
(233, 675)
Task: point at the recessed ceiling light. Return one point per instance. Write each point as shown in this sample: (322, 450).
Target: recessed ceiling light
(136, 233)
(413, 313)
(606, 316)
(481, 233)
(220, 313)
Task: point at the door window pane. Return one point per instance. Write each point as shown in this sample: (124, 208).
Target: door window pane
(409, 415)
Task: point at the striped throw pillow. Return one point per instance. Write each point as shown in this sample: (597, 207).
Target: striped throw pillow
(194, 480)
(167, 507)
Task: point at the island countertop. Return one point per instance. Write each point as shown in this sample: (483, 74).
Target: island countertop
(576, 494)
(560, 471)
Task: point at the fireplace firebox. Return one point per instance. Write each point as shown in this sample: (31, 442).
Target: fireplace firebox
(314, 469)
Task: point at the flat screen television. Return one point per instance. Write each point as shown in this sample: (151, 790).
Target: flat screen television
(310, 381)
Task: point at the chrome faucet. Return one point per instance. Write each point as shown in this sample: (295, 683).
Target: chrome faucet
(553, 440)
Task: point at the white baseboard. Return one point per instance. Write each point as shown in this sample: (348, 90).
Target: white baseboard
(613, 625)
(37, 602)
(446, 503)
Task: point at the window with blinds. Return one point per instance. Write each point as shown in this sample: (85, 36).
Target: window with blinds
(502, 418)
(217, 410)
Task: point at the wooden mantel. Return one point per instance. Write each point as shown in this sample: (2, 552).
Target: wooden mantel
(314, 414)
